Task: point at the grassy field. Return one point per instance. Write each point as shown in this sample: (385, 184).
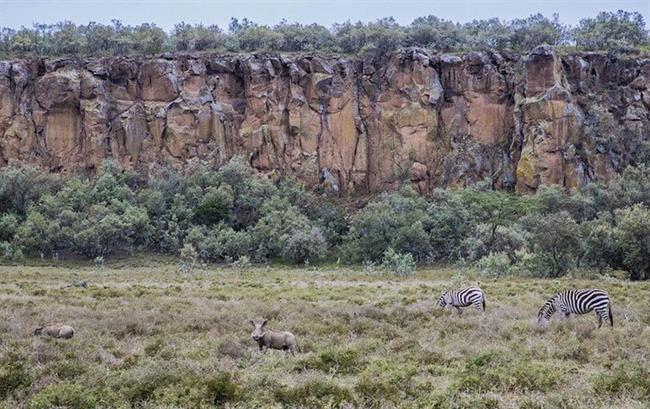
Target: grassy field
(147, 336)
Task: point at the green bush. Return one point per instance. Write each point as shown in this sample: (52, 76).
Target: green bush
(14, 374)
(494, 265)
(188, 258)
(315, 394)
(633, 239)
(303, 245)
(625, 379)
(8, 226)
(230, 213)
(215, 206)
(397, 263)
(220, 243)
(395, 221)
(67, 395)
(554, 238)
(335, 360)
(221, 389)
(11, 252)
(490, 372)
(385, 381)
(611, 30)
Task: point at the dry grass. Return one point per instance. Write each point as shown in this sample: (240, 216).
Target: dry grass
(150, 337)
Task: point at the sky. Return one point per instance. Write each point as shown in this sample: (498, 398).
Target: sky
(165, 13)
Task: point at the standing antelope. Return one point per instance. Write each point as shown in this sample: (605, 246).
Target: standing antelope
(578, 302)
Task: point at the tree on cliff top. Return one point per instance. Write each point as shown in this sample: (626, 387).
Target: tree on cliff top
(611, 30)
(605, 31)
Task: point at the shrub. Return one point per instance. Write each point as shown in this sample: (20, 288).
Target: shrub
(215, 206)
(188, 258)
(66, 395)
(396, 221)
(282, 225)
(8, 226)
(302, 245)
(598, 246)
(315, 394)
(242, 263)
(142, 383)
(625, 379)
(487, 371)
(14, 374)
(398, 263)
(221, 243)
(554, 238)
(338, 360)
(530, 264)
(487, 239)
(633, 240)
(494, 265)
(221, 389)
(11, 252)
(608, 30)
(384, 381)
(21, 186)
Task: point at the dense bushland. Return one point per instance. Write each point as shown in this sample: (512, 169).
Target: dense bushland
(606, 31)
(231, 215)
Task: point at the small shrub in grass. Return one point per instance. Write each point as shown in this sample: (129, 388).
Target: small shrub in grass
(141, 383)
(530, 404)
(220, 389)
(67, 369)
(14, 374)
(370, 268)
(315, 393)
(398, 263)
(339, 360)
(456, 401)
(231, 347)
(242, 263)
(487, 372)
(98, 261)
(67, 395)
(188, 258)
(383, 382)
(630, 380)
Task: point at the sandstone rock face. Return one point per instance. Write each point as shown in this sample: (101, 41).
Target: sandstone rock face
(352, 125)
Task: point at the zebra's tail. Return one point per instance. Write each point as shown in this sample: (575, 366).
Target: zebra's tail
(483, 302)
(609, 310)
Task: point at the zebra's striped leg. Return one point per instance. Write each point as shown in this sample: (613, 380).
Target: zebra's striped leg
(478, 306)
(458, 310)
(600, 319)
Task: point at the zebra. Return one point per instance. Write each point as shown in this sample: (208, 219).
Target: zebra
(578, 302)
(463, 297)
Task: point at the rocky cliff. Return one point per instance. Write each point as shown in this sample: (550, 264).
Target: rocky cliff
(352, 124)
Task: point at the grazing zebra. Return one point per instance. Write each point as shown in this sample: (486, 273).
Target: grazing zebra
(577, 302)
(463, 297)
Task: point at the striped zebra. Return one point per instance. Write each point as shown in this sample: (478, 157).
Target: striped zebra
(463, 297)
(578, 302)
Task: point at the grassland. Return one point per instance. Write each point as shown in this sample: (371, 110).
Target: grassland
(150, 337)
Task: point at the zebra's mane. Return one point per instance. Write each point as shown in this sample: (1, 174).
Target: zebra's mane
(549, 304)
